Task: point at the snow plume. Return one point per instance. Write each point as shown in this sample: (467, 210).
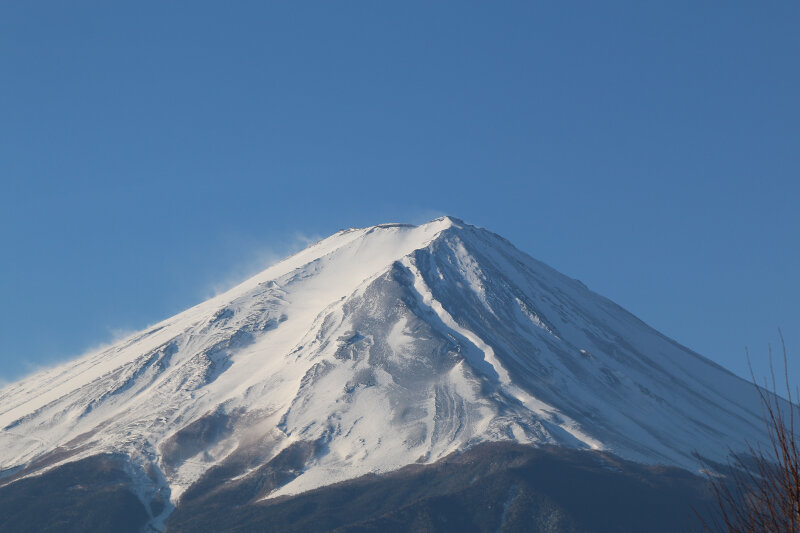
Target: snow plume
(254, 256)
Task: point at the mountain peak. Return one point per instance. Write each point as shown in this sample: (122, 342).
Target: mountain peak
(438, 224)
(449, 219)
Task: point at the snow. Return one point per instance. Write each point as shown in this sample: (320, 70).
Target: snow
(384, 346)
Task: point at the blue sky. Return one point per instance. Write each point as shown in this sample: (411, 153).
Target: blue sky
(153, 152)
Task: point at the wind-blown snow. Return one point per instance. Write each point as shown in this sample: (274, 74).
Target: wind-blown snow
(383, 346)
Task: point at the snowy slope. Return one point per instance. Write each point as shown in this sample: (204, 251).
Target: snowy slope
(382, 346)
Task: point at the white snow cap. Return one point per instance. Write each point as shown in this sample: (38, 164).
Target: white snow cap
(383, 346)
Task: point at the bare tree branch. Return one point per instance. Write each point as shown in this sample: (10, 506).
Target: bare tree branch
(760, 491)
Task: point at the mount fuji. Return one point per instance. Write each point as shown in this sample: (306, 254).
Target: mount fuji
(393, 348)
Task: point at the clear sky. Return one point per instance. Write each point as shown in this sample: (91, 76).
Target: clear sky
(153, 152)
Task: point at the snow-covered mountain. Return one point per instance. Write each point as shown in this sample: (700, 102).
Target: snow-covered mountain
(377, 348)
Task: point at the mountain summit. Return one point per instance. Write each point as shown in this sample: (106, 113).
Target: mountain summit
(370, 350)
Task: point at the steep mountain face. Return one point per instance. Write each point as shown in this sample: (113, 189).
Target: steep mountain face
(490, 487)
(371, 350)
